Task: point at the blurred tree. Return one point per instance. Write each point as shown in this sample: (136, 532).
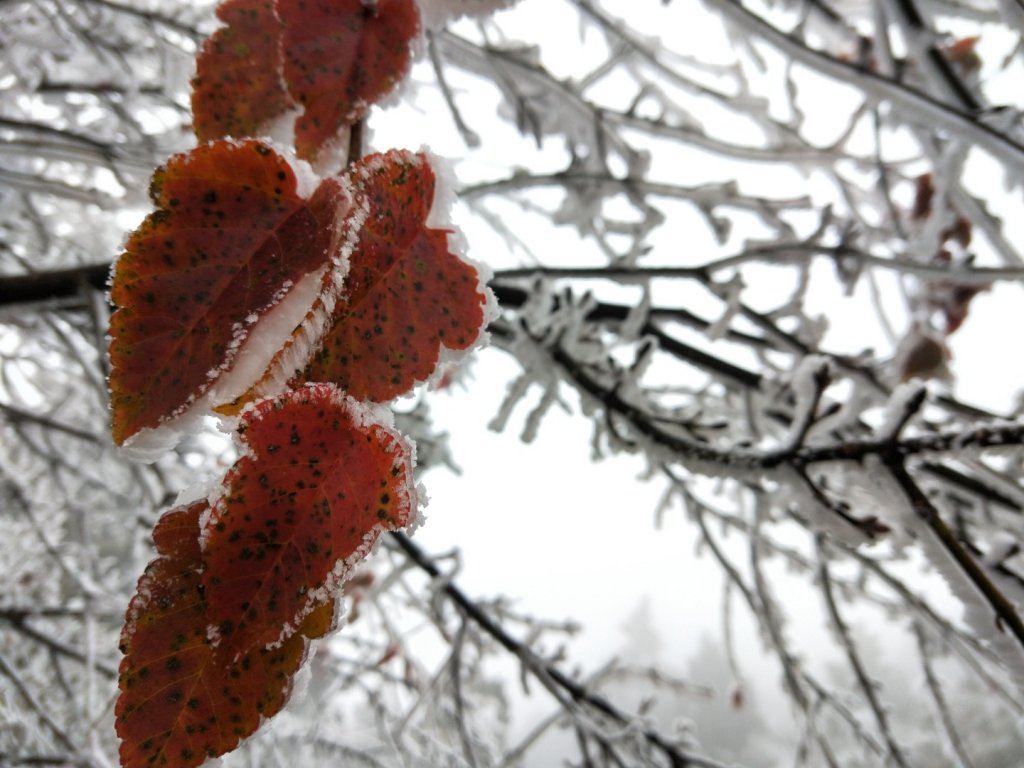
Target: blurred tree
(745, 237)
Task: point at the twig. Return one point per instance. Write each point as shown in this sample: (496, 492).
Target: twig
(1005, 611)
(867, 685)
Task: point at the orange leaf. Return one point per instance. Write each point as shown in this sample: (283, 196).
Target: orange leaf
(230, 236)
(341, 56)
(319, 482)
(180, 702)
(237, 89)
(406, 296)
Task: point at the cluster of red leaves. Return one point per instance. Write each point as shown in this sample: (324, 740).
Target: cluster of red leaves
(329, 59)
(219, 623)
(244, 579)
(230, 232)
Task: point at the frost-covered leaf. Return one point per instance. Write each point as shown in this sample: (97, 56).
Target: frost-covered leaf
(238, 88)
(330, 60)
(320, 480)
(406, 295)
(181, 702)
(341, 56)
(231, 235)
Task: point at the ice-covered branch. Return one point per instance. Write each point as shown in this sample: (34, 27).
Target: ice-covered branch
(868, 686)
(939, 697)
(914, 104)
(1007, 614)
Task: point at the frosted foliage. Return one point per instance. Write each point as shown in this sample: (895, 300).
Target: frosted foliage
(769, 250)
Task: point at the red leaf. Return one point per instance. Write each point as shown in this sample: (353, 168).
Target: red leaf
(180, 702)
(318, 484)
(341, 56)
(229, 237)
(406, 295)
(238, 89)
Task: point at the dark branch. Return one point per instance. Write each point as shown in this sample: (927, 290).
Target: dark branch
(51, 286)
